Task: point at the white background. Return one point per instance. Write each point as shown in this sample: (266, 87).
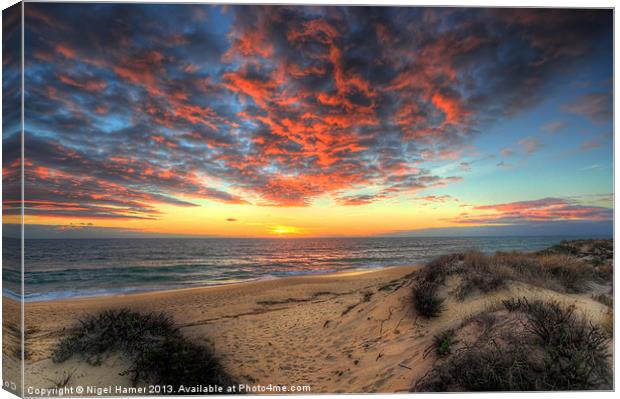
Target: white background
(523, 3)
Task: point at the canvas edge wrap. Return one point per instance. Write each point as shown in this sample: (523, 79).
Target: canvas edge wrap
(13, 351)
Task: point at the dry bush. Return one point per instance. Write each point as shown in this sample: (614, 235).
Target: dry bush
(605, 272)
(608, 322)
(605, 299)
(485, 367)
(158, 352)
(481, 273)
(552, 350)
(559, 272)
(483, 282)
(572, 274)
(427, 280)
(439, 268)
(576, 355)
(426, 300)
(522, 265)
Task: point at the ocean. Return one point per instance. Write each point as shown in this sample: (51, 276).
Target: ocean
(92, 267)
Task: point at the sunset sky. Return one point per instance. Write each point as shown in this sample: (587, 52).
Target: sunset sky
(313, 121)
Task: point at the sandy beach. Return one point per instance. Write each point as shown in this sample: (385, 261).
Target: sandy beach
(295, 330)
(342, 332)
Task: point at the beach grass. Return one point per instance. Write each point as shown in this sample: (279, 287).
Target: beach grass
(480, 273)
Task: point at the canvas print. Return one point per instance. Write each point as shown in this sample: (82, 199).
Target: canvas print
(302, 199)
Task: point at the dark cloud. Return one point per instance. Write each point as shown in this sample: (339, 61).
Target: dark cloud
(576, 228)
(465, 166)
(504, 165)
(11, 107)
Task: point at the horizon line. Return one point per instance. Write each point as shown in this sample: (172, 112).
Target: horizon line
(610, 236)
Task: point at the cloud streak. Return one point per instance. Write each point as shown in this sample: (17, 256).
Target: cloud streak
(541, 210)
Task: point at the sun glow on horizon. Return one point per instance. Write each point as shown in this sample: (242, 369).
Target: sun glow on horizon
(281, 230)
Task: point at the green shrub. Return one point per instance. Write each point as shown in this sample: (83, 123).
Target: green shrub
(443, 342)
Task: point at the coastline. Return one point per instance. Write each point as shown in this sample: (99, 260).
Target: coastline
(129, 292)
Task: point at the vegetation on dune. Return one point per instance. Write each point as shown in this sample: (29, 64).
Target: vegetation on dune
(556, 272)
(573, 275)
(521, 344)
(599, 253)
(443, 342)
(600, 250)
(480, 273)
(425, 299)
(608, 322)
(535, 346)
(157, 351)
(607, 300)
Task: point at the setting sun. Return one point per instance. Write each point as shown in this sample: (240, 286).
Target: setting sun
(285, 230)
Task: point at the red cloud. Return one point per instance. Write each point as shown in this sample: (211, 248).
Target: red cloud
(362, 199)
(290, 104)
(65, 51)
(450, 106)
(142, 69)
(545, 209)
(85, 84)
